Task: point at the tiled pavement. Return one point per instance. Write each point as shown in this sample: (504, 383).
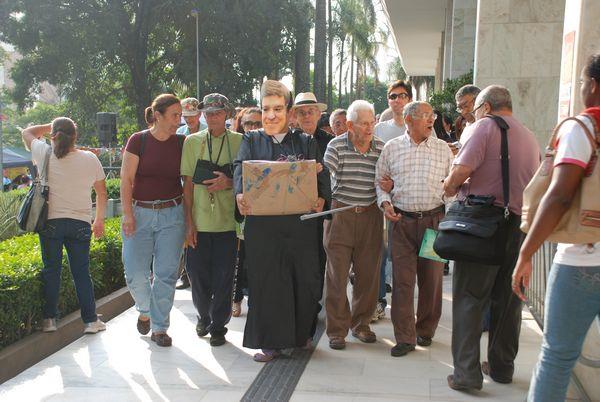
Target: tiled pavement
(120, 365)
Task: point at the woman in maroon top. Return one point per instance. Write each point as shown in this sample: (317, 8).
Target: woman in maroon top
(153, 228)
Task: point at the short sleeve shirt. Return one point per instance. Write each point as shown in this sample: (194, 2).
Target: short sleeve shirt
(575, 148)
(388, 130)
(70, 179)
(481, 153)
(157, 176)
(217, 216)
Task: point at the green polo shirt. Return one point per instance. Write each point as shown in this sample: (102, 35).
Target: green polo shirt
(221, 217)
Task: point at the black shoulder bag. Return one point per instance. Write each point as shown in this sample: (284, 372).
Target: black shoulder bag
(474, 229)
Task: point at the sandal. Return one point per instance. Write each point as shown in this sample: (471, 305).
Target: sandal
(267, 355)
(143, 326)
(236, 309)
(161, 339)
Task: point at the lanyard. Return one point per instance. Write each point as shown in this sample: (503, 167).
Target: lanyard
(209, 142)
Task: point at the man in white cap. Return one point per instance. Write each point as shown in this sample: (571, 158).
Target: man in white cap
(192, 116)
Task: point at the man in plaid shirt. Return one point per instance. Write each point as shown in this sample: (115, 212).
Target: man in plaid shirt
(417, 163)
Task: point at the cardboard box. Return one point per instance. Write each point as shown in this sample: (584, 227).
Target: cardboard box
(280, 188)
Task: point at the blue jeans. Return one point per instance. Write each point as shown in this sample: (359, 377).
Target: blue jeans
(75, 236)
(159, 233)
(572, 303)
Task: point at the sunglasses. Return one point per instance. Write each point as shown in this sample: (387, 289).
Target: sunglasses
(251, 123)
(400, 95)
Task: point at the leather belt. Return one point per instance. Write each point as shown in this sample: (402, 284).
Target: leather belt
(420, 214)
(356, 210)
(158, 204)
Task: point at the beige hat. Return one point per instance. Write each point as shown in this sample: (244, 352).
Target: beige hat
(308, 99)
(189, 107)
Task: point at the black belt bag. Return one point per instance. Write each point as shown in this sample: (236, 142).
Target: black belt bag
(474, 229)
(204, 171)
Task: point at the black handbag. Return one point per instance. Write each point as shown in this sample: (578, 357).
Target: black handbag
(474, 229)
(33, 212)
(204, 171)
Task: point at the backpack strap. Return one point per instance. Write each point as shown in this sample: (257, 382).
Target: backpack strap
(503, 126)
(143, 142)
(180, 139)
(594, 139)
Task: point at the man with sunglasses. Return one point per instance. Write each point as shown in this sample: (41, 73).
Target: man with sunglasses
(399, 94)
(465, 103)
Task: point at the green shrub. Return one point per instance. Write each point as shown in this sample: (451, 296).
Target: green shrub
(21, 288)
(10, 202)
(444, 100)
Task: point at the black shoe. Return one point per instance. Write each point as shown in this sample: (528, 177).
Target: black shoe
(388, 288)
(485, 369)
(423, 341)
(143, 326)
(183, 282)
(201, 328)
(217, 338)
(460, 387)
(402, 349)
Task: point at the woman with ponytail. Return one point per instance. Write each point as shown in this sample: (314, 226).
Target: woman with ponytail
(72, 174)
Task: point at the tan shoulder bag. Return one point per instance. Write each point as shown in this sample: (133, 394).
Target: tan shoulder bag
(581, 223)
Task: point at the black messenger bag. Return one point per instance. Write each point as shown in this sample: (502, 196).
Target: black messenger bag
(474, 229)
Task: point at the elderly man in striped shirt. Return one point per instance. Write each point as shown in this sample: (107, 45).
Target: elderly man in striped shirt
(417, 163)
(354, 236)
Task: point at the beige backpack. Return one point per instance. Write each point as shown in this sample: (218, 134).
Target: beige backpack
(581, 223)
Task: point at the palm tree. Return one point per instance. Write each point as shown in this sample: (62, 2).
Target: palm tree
(329, 55)
(320, 55)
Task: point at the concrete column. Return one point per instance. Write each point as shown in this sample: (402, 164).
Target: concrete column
(462, 42)
(518, 45)
(447, 40)
(579, 41)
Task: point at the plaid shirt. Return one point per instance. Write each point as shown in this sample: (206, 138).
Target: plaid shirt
(417, 171)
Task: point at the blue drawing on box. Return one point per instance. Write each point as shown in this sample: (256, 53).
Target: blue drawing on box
(293, 167)
(290, 189)
(277, 187)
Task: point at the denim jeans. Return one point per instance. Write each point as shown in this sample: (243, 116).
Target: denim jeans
(75, 236)
(159, 233)
(572, 303)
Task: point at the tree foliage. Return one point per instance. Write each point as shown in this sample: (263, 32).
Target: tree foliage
(108, 55)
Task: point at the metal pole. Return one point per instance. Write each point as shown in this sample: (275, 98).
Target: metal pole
(195, 15)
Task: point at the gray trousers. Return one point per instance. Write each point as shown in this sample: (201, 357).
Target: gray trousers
(474, 288)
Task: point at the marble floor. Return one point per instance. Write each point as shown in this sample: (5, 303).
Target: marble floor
(120, 365)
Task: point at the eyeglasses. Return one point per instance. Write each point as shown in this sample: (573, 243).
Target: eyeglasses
(426, 116)
(478, 107)
(401, 95)
(251, 123)
(463, 105)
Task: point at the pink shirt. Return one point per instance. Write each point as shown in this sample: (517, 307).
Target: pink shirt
(481, 153)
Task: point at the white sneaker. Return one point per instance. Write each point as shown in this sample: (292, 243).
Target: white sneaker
(49, 325)
(94, 327)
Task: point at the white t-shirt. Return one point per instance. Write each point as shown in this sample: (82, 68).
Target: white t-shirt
(575, 148)
(70, 179)
(388, 130)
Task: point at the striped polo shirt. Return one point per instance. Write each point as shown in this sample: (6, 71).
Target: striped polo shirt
(352, 173)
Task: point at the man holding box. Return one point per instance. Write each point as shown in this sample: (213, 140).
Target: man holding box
(281, 251)
(417, 163)
(354, 236)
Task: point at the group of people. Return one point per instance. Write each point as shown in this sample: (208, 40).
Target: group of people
(182, 193)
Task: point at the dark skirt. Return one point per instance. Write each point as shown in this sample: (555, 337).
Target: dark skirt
(282, 258)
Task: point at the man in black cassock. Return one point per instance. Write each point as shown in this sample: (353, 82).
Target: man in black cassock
(282, 252)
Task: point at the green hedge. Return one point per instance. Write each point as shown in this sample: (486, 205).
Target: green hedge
(10, 201)
(21, 287)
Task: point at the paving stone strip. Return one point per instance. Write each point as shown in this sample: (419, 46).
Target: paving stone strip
(277, 380)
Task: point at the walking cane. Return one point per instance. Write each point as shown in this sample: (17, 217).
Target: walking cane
(331, 211)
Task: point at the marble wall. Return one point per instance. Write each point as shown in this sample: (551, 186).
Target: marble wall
(518, 45)
(462, 41)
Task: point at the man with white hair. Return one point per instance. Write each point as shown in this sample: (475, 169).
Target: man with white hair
(337, 122)
(476, 286)
(416, 163)
(354, 236)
